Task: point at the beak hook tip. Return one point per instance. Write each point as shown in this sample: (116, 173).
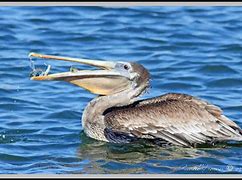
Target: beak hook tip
(31, 54)
(35, 55)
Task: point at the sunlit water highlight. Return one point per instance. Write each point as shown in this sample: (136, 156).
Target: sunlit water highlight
(193, 50)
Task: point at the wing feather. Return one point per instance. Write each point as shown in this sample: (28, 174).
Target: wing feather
(179, 119)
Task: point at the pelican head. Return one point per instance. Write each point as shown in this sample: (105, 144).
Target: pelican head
(109, 78)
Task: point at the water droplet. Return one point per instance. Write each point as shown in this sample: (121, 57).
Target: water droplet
(32, 66)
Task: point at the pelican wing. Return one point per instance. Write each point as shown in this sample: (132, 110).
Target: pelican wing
(178, 119)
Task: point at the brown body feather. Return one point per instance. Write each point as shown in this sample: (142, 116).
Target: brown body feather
(178, 119)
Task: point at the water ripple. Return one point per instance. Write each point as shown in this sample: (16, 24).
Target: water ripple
(193, 50)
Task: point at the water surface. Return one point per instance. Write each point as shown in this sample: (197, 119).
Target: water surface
(193, 50)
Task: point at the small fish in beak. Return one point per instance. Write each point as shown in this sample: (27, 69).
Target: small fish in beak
(38, 71)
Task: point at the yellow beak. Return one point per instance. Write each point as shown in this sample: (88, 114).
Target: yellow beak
(104, 81)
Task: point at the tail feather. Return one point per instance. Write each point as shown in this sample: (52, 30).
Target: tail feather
(231, 124)
(236, 138)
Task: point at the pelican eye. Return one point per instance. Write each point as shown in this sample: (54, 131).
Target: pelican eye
(123, 66)
(126, 67)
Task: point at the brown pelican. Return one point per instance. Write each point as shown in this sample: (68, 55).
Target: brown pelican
(116, 115)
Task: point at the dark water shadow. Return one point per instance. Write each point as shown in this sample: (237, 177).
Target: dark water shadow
(111, 158)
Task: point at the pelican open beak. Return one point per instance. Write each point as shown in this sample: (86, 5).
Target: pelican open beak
(103, 81)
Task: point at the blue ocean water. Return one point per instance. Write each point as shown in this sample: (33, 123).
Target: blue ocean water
(192, 50)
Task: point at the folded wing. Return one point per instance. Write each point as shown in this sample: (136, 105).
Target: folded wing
(177, 119)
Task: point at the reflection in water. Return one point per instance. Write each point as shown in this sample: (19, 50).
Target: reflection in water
(192, 50)
(110, 158)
